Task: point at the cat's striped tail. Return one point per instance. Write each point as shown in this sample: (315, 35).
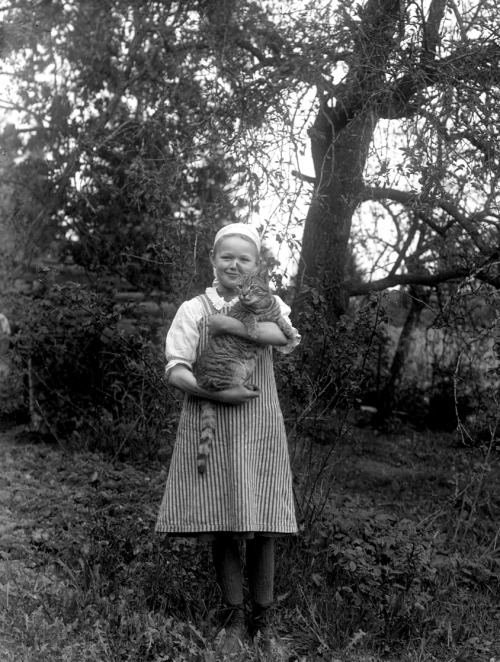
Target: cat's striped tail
(208, 421)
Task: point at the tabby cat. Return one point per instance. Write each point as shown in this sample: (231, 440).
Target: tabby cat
(229, 360)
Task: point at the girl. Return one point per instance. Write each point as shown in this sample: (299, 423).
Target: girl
(246, 492)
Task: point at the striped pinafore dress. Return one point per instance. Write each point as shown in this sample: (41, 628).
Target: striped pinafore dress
(247, 487)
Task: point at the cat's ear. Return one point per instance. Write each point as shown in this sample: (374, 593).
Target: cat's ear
(262, 272)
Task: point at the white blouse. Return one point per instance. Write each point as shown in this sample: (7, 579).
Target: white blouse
(183, 335)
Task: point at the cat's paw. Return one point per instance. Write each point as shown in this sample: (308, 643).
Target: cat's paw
(253, 330)
(286, 328)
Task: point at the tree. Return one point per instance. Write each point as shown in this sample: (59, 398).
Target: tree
(425, 78)
(169, 98)
(113, 110)
(434, 75)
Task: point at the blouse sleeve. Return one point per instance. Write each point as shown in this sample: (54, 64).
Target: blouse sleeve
(184, 335)
(296, 338)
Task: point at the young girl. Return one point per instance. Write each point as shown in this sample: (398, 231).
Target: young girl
(246, 492)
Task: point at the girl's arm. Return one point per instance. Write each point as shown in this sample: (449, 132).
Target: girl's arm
(181, 377)
(268, 333)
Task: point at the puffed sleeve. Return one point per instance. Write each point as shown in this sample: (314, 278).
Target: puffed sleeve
(183, 335)
(296, 338)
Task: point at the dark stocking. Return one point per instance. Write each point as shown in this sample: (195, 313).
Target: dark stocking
(227, 562)
(260, 565)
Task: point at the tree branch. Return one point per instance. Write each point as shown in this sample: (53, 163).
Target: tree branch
(407, 198)
(481, 272)
(476, 64)
(408, 279)
(431, 29)
(458, 18)
(304, 178)
(253, 50)
(406, 246)
(411, 199)
(484, 146)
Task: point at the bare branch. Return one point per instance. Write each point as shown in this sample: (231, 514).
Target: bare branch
(407, 198)
(409, 279)
(304, 178)
(253, 50)
(432, 27)
(480, 272)
(411, 199)
(458, 17)
(484, 146)
(476, 64)
(405, 247)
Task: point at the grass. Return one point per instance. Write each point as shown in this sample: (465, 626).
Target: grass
(397, 558)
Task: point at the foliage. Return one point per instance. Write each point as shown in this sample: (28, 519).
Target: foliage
(334, 362)
(121, 139)
(88, 579)
(145, 120)
(135, 129)
(321, 384)
(85, 384)
(386, 571)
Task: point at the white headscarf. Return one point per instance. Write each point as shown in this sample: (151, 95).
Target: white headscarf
(237, 228)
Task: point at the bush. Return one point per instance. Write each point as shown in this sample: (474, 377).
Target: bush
(366, 572)
(80, 381)
(320, 384)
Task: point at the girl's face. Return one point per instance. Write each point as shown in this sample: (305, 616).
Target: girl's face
(232, 257)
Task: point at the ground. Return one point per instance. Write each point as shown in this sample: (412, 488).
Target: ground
(76, 533)
(48, 501)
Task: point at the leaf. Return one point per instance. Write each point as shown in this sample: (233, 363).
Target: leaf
(356, 638)
(317, 578)
(39, 536)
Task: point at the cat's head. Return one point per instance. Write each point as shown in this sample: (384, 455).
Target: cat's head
(253, 287)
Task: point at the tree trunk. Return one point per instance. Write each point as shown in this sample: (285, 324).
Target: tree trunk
(340, 139)
(339, 163)
(396, 373)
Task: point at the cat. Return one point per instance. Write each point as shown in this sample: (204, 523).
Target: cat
(230, 360)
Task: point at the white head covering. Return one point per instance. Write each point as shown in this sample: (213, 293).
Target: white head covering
(239, 228)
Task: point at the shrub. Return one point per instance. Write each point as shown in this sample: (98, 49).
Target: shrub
(362, 572)
(83, 383)
(320, 384)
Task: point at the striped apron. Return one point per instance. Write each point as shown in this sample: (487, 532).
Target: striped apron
(247, 486)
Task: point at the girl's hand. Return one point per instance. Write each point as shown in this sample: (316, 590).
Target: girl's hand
(217, 324)
(238, 395)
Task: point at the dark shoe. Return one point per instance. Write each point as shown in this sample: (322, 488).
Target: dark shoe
(234, 631)
(264, 635)
(259, 623)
